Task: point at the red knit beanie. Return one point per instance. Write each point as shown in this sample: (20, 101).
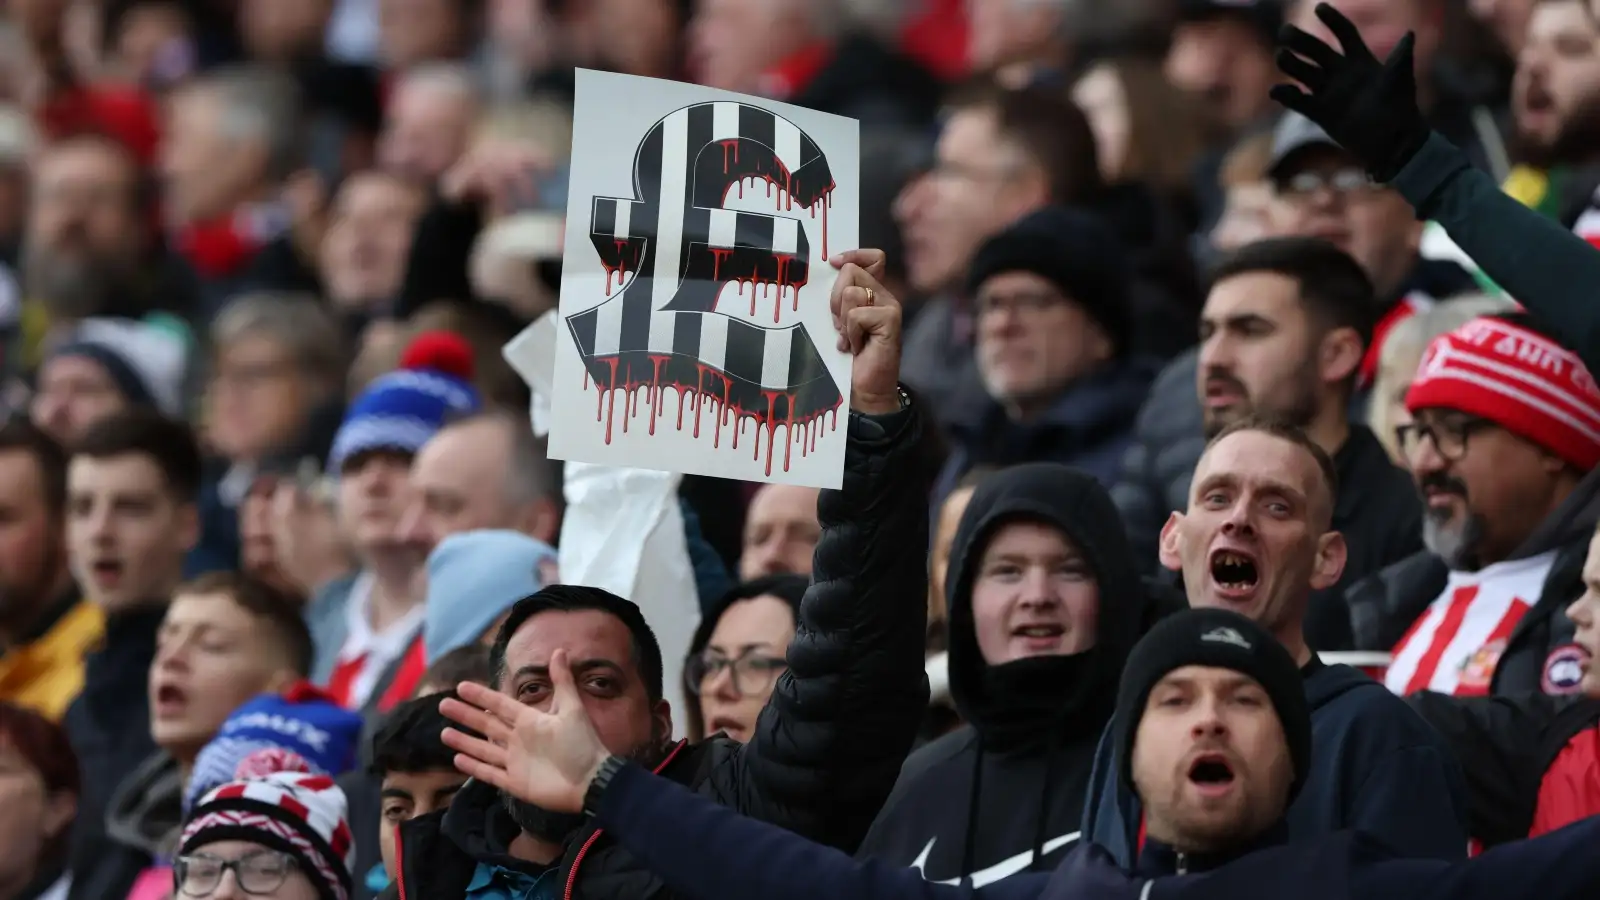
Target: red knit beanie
(1518, 379)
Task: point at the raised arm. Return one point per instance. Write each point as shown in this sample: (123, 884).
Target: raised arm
(1370, 108)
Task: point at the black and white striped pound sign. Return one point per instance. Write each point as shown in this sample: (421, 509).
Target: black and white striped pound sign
(668, 254)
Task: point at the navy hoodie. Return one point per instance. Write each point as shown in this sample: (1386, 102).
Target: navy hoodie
(1380, 769)
(704, 851)
(1004, 793)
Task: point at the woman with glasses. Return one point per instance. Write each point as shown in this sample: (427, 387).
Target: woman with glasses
(737, 655)
(283, 836)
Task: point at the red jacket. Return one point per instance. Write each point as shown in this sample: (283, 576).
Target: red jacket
(1532, 761)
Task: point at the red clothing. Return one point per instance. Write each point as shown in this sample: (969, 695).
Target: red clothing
(126, 115)
(789, 78)
(1570, 789)
(937, 38)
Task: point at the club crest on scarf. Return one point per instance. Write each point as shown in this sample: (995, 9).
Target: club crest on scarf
(680, 267)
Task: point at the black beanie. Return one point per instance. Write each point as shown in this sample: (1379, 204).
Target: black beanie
(1073, 250)
(1224, 640)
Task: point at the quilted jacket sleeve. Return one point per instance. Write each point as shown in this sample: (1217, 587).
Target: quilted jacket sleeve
(828, 747)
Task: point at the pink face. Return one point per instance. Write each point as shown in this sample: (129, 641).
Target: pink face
(1033, 594)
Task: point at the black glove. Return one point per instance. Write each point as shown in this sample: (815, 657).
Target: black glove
(1370, 108)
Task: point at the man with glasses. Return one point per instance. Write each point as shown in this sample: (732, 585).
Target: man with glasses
(1506, 424)
(1056, 379)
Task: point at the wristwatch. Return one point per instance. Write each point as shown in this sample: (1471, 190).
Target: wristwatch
(602, 779)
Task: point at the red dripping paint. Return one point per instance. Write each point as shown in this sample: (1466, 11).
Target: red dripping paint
(727, 145)
(611, 398)
(718, 255)
(586, 383)
(655, 391)
(803, 430)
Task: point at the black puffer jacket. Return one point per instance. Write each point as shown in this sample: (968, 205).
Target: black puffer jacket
(829, 744)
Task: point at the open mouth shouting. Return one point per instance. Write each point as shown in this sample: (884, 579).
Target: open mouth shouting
(1235, 574)
(1212, 774)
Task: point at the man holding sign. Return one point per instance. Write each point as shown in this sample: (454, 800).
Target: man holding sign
(828, 747)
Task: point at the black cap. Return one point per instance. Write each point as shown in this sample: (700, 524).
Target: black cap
(1074, 250)
(1220, 639)
(1266, 16)
(1294, 134)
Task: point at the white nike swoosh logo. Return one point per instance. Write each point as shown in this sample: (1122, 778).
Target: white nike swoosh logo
(1001, 870)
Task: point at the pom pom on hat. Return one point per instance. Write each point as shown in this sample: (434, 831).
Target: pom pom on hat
(440, 351)
(404, 409)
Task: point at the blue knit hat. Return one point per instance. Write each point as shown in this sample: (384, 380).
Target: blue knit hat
(301, 729)
(473, 578)
(404, 409)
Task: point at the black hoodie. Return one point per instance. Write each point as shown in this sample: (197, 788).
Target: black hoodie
(1004, 794)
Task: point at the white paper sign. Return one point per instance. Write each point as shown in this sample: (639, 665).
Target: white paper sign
(695, 335)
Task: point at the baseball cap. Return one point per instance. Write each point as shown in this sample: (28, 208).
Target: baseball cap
(1294, 134)
(1265, 15)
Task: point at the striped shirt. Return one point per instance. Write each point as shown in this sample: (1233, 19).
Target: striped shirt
(1454, 646)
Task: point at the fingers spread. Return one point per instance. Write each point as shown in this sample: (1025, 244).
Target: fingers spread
(484, 697)
(484, 751)
(1312, 77)
(1291, 97)
(1344, 31)
(483, 772)
(1312, 48)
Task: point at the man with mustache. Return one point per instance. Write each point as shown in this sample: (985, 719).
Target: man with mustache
(1507, 423)
(1284, 331)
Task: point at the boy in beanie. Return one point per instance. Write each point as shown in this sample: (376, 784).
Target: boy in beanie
(283, 836)
(368, 627)
(1221, 739)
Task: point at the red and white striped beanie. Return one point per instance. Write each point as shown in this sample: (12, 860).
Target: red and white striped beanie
(301, 814)
(1518, 379)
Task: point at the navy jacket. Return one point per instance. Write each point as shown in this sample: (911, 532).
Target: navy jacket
(1380, 769)
(708, 852)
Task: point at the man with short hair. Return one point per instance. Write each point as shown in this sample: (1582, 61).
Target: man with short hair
(1506, 426)
(485, 471)
(1216, 736)
(131, 519)
(362, 258)
(416, 776)
(428, 121)
(829, 745)
(1221, 54)
(1284, 331)
(223, 639)
(230, 142)
(1555, 104)
(46, 627)
(86, 240)
(1258, 538)
(780, 531)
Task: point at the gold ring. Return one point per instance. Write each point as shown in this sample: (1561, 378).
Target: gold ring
(872, 297)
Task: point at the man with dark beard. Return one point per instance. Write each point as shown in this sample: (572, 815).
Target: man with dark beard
(1555, 103)
(1283, 334)
(827, 748)
(1506, 426)
(88, 239)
